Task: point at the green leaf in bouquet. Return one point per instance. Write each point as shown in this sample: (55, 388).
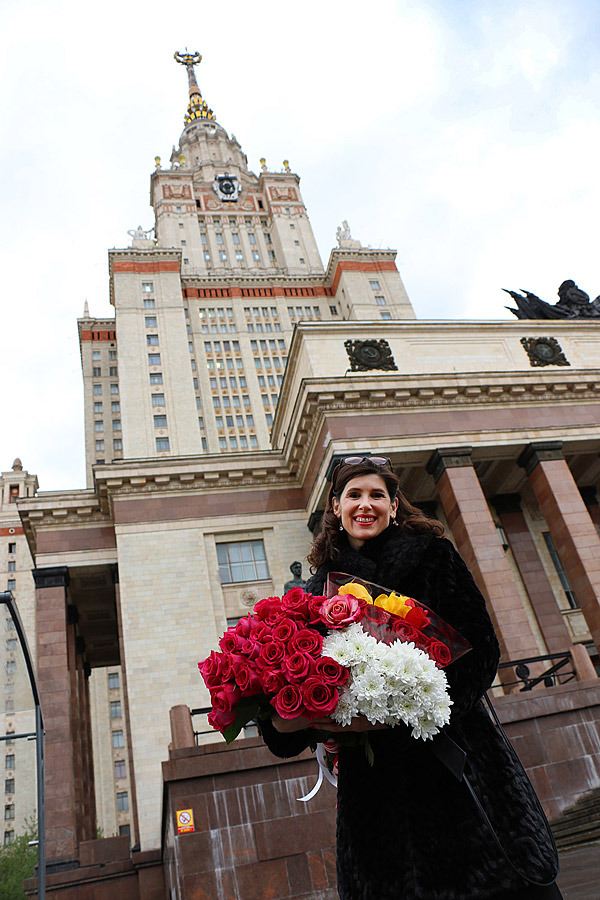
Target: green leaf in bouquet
(246, 710)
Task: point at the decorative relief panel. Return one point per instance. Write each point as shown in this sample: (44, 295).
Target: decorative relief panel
(365, 355)
(544, 351)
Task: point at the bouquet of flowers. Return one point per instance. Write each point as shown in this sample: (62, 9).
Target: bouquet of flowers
(359, 650)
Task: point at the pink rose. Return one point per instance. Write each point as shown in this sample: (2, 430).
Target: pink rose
(220, 720)
(272, 680)
(295, 603)
(284, 630)
(271, 655)
(439, 653)
(342, 610)
(320, 699)
(298, 666)
(288, 702)
(225, 697)
(306, 641)
(212, 669)
(330, 671)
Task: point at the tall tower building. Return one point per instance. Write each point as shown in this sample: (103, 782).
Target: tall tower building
(205, 309)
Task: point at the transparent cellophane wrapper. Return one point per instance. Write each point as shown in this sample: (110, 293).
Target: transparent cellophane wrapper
(423, 627)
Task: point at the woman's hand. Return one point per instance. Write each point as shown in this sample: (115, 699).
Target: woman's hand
(359, 723)
(287, 726)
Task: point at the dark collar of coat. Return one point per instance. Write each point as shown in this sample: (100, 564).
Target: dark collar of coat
(393, 549)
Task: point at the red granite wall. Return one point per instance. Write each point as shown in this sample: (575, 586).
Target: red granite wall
(253, 839)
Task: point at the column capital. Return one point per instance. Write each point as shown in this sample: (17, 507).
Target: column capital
(53, 576)
(539, 452)
(448, 458)
(506, 503)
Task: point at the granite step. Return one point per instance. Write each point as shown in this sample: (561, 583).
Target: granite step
(580, 824)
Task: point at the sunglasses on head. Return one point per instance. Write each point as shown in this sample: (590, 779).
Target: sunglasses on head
(375, 460)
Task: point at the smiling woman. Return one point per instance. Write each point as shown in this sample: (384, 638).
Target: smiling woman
(485, 839)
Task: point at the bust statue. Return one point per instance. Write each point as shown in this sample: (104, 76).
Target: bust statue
(297, 580)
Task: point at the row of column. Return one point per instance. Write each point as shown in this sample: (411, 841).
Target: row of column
(570, 526)
(63, 685)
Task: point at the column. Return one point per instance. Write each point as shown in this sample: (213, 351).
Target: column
(537, 584)
(573, 532)
(478, 543)
(54, 686)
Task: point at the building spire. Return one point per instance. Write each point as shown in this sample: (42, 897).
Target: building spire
(197, 108)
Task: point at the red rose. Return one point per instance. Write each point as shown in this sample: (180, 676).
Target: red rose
(231, 642)
(306, 641)
(439, 653)
(342, 610)
(298, 666)
(288, 702)
(295, 603)
(248, 681)
(212, 669)
(244, 626)
(314, 608)
(271, 655)
(418, 617)
(250, 648)
(220, 720)
(405, 631)
(272, 680)
(269, 610)
(225, 697)
(330, 671)
(284, 630)
(319, 699)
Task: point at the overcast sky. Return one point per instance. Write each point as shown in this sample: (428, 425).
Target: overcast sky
(465, 134)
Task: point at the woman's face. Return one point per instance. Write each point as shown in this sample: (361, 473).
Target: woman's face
(364, 508)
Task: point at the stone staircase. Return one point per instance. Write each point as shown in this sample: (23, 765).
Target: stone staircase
(580, 824)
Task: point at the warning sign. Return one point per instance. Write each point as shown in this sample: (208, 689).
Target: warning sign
(185, 820)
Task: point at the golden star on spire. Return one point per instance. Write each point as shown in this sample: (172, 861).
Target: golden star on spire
(198, 108)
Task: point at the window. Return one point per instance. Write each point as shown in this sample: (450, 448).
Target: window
(203, 237)
(380, 300)
(222, 443)
(219, 237)
(154, 359)
(98, 407)
(207, 256)
(99, 445)
(269, 418)
(158, 399)
(256, 256)
(9, 811)
(204, 444)
(181, 224)
(239, 255)
(96, 371)
(115, 709)
(9, 786)
(156, 378)
(113, 680)
(560, 570)
(150, 321)
(223, 255)
(124, 830)
(385, 314)
(233, 443)
(333, 310)
(160, 421)
(98, 426)
(116, 424)
(149, 304)
(114, 388)
(112, 354)
(115, 406)
(122, 801)
(250, 421)
(152, 340)
(242, 561)
(113, 371)
(375, 286)
(147, 287)
(253, 440)
(12, 548)
(162, 443)
(96, 355)
(9, 761)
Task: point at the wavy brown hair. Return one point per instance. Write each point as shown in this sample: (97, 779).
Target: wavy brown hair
(326, 546)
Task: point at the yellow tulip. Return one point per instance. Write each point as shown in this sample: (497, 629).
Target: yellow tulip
(355, 590)
(394, 603)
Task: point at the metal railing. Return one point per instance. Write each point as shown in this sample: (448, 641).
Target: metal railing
(249, 730)
(38, 735)
(555, 674)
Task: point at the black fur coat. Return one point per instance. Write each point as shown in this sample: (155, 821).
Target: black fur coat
(406, 828)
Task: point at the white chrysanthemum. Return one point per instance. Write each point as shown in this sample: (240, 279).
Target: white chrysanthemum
(389, 683)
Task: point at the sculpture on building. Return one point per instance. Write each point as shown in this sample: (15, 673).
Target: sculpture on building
(297, 580)
(140, 239)
(573, 303)
(343, 233)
